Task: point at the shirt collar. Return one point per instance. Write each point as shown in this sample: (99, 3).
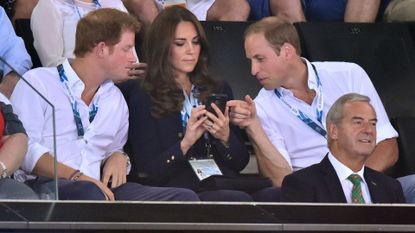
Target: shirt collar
(76, 84)
(312, 77)
(342, 170)
(312, 80)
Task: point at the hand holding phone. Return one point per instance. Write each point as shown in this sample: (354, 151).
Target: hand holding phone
(218, 126)
(218, 99)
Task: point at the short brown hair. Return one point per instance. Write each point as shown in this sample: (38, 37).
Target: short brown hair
(102, 25)
(277, 32)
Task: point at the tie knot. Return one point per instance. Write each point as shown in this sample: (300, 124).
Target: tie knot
(355, 179)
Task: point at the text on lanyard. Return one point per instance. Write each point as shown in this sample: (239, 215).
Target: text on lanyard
(319, 111)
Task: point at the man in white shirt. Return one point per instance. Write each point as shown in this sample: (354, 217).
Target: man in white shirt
(286, 123)
(91, 117)
(342, 176)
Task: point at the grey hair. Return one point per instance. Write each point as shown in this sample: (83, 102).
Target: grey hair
(335, 114)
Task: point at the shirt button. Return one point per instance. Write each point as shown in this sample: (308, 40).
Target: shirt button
(168, 161)
(172, 157)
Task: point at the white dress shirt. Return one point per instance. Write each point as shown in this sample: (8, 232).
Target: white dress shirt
(300, 145)
(198, 7)
(107, 133)
(342, 173)
(53, 23)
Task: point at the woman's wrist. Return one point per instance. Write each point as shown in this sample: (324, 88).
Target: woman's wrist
(184, 146)
(226, 144)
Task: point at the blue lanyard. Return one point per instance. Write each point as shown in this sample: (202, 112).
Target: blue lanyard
(97, 6)
(319, 112)
(77, 116)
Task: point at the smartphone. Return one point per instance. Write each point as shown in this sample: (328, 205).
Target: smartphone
(220, 101)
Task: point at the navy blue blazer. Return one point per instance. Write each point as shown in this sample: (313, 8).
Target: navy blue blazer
(154, 145)
(319, 183)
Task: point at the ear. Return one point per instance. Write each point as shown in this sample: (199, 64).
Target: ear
(332, 131)
(287, 49)
(100, 49)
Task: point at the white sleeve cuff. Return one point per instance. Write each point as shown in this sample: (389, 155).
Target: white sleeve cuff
(35, 151)
(385, 131)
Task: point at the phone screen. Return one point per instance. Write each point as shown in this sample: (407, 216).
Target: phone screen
(220, 101)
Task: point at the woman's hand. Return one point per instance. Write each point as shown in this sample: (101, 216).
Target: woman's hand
(194, 128)
(218, 125)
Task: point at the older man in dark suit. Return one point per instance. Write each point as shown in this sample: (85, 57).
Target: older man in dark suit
(342, 176)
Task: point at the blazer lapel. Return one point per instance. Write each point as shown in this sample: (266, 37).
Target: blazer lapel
(376, 193)
(335, 190)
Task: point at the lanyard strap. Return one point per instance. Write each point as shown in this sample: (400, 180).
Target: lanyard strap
(319, 111)
(97, 6)
(77, 116)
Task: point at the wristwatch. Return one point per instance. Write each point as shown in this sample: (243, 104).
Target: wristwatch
(4, 171)
(127, 157)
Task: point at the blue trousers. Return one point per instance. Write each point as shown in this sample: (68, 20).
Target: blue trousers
(270, 194)
(85, 190)
(408, 187)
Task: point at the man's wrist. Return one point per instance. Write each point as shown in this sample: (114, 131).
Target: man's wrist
(75, 175)
(128, 161)
(253, 128)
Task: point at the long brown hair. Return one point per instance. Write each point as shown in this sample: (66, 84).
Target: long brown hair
(167, 98)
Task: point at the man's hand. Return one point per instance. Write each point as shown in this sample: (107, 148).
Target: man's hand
(137, 70)
(243, 113)
(115, 168)
(107, 192)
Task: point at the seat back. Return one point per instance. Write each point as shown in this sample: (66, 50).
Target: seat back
(406, 162)
(22, 27)
(227, 57)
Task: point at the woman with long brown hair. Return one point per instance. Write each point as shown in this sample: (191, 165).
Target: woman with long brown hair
(173, 139)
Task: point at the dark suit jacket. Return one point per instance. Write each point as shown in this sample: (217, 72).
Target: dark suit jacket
(154, 145)
(319, 183)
